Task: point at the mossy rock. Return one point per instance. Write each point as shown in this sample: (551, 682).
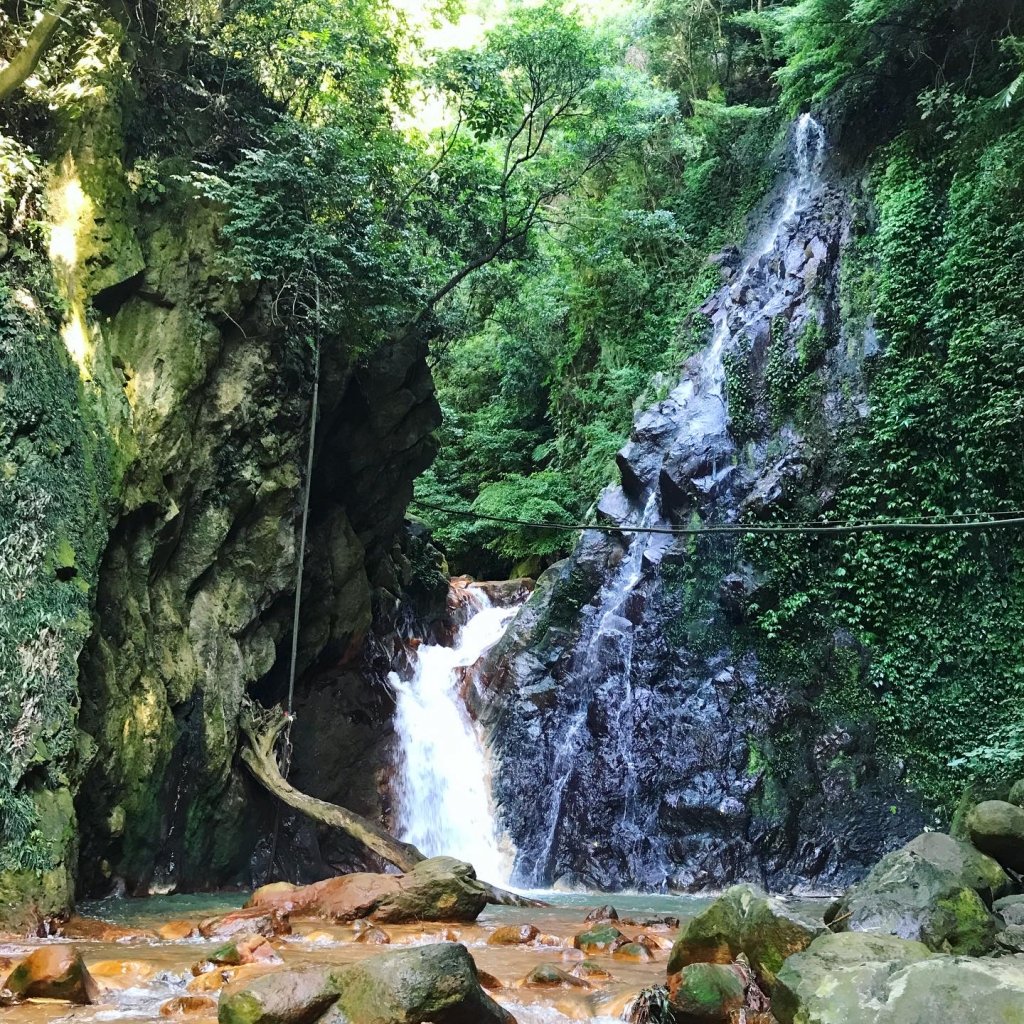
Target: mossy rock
(996, 827)
(832, 981)
(934, 890)
(745, 920)
(605, 938)
(707, 993)
(1016, 796)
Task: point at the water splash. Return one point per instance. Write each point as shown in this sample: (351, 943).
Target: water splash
(443, 791)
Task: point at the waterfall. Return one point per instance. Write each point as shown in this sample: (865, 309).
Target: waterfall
(598, 741)
(443, 789)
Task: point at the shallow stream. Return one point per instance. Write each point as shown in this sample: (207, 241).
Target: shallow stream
(158, 971)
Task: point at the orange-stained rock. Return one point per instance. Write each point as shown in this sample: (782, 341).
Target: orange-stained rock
(589, 970)
(100, 931)
(489, 981)
(438, 889)
(549, 940)
(512, 935)
(654, 942)
(119, 974)
(189, 1006)
(634, 952)
(53, 972)
(449, 935)
(174, 931)
(552, 976)
(374, 937)
(215, 979)
(266, 921)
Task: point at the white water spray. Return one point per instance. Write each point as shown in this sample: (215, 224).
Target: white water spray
(444, 795)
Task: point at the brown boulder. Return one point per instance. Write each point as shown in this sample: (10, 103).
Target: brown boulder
(175, 931)
(438, 889)
(265, 921)
(189, 1006)
(512, 935)
(52, 972)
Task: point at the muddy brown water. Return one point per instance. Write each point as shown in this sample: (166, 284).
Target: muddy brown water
(160, 970)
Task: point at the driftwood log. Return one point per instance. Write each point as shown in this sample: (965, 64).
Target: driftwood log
(260, 758)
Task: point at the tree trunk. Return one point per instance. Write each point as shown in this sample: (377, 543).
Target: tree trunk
(260, 759)
(25, 60)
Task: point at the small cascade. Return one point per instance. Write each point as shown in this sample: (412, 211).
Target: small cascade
(443, 788)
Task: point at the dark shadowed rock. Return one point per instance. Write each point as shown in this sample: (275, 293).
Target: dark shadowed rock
(996, 827)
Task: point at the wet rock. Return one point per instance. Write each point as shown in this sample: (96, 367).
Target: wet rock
(605, 913)
(119, 974)
(175, 931)
(549, 940)
(52, 972)
(489, 981)
(934, 890)
(552, 976)
(634, 952)
(834, 979)
(438, 889)
(373, 937)
(266, 921)
(997, 828)
(247, 949)
(217, 977)
(1016, 796)
(654, 942)
(1010, 909)
(652, 921)
(189, 1006)
(435, 983)
(591, 970)
(504, 593)
(604, 938)
(512, 935)
(745, 920)
(101, 931)
(707, 993)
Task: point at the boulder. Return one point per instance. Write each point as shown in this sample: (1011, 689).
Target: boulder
(707, 993)
(934, 890)
(960, 989)
(745, 920)
(175, 931)
(52, 972)
(1017, 793)
(552, 976)
(997, 828)
(591, 970)
(374, 937)
(436, 983)
(634, 952)
(605, 913)
(247, 949)
(1010, 909)
(438, 889)
(189, 1006)
(604, 938)
(1011, 939)
(265, 921)
(832, 981)
(512, 935)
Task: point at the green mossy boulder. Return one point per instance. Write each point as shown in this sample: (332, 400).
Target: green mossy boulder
(935, 890)
(436, 983)
(996, 827)
(438, 889)
(745, 920)
(1016, 796)
(837, 976)
(707, 993)
(604, 938)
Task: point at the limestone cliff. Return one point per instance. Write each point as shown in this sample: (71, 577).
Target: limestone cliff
(174, 428)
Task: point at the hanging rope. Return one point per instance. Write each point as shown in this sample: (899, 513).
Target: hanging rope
(286, 742)
(960, 521)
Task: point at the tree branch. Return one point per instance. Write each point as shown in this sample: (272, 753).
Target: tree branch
(26, 60)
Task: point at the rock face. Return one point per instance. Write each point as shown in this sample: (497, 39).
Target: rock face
(745, 921)
(436, 984)
(997, 828)
(627, 687)
(183, 414)
(438, 889)
(860, 979)
(936, 890)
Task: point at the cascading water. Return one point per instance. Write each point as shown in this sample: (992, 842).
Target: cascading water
(443, 790)
(628, 735)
